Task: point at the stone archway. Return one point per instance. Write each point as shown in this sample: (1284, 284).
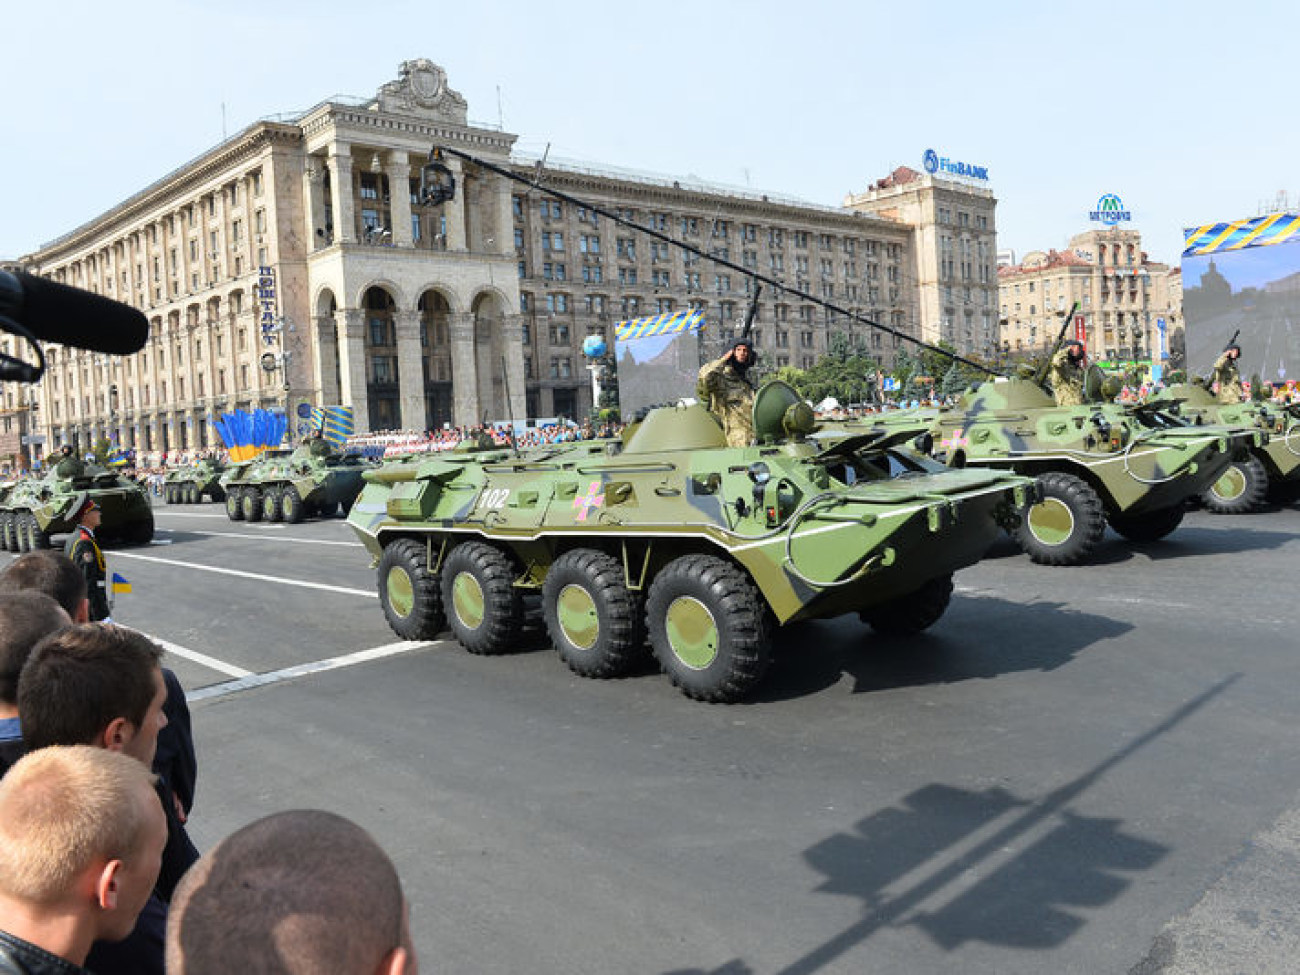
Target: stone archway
(438, 373)
(382, 389)
(327, 377)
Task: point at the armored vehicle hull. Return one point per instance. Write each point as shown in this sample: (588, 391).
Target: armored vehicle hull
(701, 548)
(1270, 468)
(192, 483)
(283, 485)
(36, 510)
(1095, 464)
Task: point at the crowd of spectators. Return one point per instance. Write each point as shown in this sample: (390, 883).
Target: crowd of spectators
(95, 730)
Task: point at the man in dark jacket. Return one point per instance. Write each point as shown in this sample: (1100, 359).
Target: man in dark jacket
(84, 875)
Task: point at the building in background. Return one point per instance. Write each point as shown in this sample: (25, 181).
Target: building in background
(1122, 296)
(296, 263)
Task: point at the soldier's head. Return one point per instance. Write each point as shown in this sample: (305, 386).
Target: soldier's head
(1232, 351)
(302, 892)
(66, 450)
(1074, 350)
(742, 354)
(87, 512)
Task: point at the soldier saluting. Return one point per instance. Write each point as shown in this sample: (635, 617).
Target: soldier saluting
(726, 390)
(85, 554)
(1066, 373)
(1227, 375)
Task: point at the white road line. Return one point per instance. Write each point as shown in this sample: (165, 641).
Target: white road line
(262, 538)
(248, 575)
(301, 670)
(189, 514)
(212, 663)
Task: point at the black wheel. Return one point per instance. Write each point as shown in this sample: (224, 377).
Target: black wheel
(36, 537)
(705, 620)
(22, 540)
(6, 531)
(410, 594)
(593, 618)
(192, 494)
(169, 493)
(234, 505)
(483, 607)
(271, 505)
(1242, 488)
(250, 503)
(914, 612)
(1149, 526)
(291, 509)
(1066, 525)
(138, 532)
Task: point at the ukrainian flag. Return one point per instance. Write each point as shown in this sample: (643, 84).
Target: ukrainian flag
(669, 323)
(248, 434)
(1276, 228)
(334, 422)
(120, 584)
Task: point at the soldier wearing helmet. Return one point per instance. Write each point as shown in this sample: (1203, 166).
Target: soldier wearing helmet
(69, 465)
(1227, 375)
(1066, 374)
(727, 392)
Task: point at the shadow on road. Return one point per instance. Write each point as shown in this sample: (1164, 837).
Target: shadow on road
(992, 637)
(925, 849)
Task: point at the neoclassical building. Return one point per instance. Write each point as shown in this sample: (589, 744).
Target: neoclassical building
(297, 264)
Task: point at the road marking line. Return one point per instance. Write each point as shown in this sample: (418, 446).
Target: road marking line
(248, 575)
(212, 663)
(190, 514)
(300, 541)
(302, 670)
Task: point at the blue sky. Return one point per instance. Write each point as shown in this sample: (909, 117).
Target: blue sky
(1184, 113)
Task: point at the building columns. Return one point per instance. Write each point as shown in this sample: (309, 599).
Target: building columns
(455, 209)
(464, 370)
(512, 342)
(410, 370)
(352, 366)
(398, 170)
(345, 230)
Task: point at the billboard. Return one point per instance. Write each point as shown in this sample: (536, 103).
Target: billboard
(1244, 275)
(658, 359)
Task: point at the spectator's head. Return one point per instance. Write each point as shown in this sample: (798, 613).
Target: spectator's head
(81, 840)
(94, 684)
(53, 573)
(304, 892)
(26, 618)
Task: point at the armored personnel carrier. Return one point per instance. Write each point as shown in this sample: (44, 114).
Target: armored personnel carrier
(1099, 463)
(671, 535)
(190, 484)
(289, 485)
(36, 509)
(1273, 466)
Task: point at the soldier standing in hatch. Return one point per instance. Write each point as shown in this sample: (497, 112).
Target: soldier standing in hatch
(84, 552)
(319, 446)
(69, 465)
(1227, 376)
(724, 388)
(1066, 374)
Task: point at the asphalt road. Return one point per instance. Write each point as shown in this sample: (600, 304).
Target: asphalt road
(1077, 770)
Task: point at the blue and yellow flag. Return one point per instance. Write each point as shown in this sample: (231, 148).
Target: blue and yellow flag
(669, 323)
(334, 422)
(1276, 228)
(120, 584)
(248, 434)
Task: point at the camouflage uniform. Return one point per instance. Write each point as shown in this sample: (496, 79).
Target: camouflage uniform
(1229, 379)
(1067, 379)
(730, 398)
(320, 447)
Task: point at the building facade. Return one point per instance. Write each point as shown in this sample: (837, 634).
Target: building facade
(1122, 297)
(954, 240)
(298, 264)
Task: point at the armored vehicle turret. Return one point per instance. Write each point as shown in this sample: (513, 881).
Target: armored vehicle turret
(36, 509)
(1271, 467)
(671, 536)
(191, 483)
(289, 485)
(1098, 463)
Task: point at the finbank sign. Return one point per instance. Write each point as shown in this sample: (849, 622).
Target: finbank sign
(935, 164)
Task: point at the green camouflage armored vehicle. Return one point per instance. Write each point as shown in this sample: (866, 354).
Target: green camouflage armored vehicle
(671, 536)
(36, 509)
(189, 484)
(1274, 466)
(1099, 463)
(289, 485)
